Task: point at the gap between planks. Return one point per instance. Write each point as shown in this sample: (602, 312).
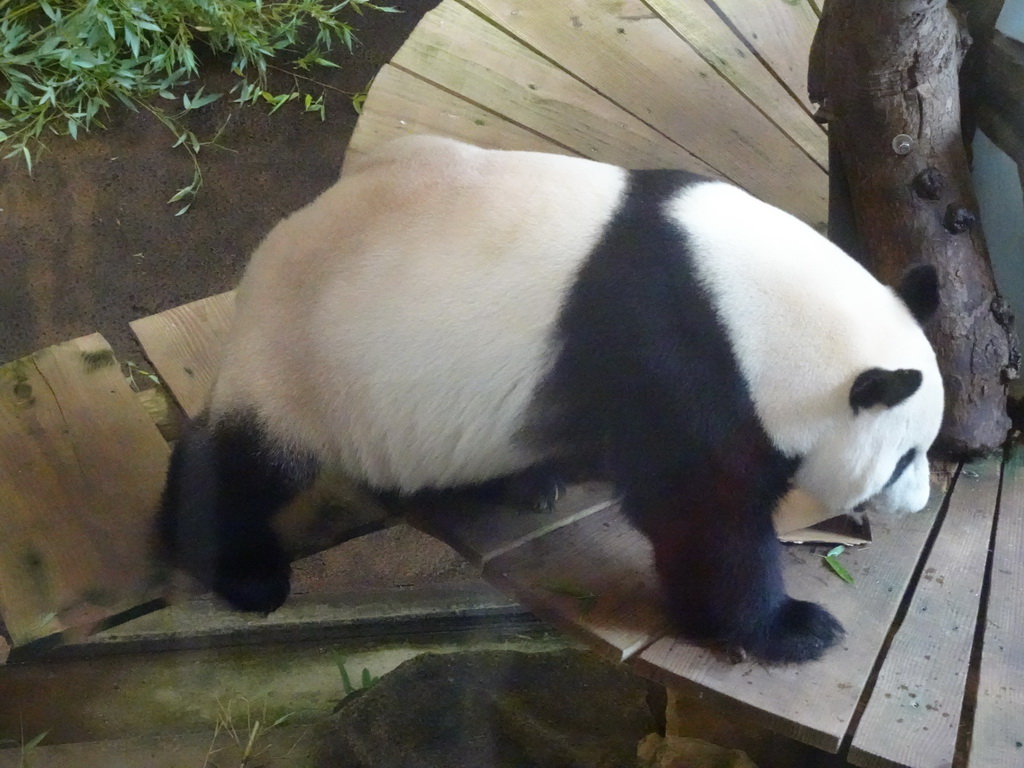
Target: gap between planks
(913, 714)
(997, 729)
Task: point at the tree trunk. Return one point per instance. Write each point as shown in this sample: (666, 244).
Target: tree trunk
(885, 75)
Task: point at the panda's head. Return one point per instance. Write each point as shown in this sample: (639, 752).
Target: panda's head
(875, 453)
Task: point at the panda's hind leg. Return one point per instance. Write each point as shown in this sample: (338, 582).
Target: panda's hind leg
(225, 483)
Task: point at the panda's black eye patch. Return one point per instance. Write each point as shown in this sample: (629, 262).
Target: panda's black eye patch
(901, 466)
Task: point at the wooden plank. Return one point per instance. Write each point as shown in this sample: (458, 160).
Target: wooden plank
(593, 578)
(813, 702)
(648, 70)
(184, 344)
(998, 729)
(460, 51)
(81, 468)
(401, 103)
(480, 533)
(780, 33)
(913, 715)
(774, 30)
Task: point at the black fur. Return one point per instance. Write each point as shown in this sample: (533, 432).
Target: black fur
(901, 467)
(919, 290)
(224, 485)
(537, 488)
(877, 386)
(645, 369)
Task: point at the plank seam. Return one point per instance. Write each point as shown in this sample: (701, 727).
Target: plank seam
(505, 30)
(764, 62)
(897, 622)
(736, 88)
(969, 703)
(545, 530)
(488, 110)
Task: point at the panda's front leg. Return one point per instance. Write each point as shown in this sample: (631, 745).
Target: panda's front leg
(718, 560)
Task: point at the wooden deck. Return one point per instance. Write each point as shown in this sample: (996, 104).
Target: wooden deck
(935, 645)
(932, 670)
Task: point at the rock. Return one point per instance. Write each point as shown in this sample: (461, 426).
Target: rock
(683, 752)
(492, 709)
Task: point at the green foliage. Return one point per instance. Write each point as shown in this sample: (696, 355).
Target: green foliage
(367, 681)
(28, 748)
(587, 599)
(65, 63)
(832, 561)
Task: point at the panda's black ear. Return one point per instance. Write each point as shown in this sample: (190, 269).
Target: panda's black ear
(877, 386)
(919, 290)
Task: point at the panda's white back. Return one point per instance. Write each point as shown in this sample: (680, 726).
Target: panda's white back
(399, 325)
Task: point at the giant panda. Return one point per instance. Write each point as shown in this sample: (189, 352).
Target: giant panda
(445, 316)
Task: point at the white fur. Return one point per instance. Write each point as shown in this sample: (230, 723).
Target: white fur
(398, 325)
(805, 320)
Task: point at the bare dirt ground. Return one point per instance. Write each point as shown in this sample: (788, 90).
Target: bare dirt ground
(88, 242)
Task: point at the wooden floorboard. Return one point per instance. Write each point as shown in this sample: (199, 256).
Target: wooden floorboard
(641, 64)
(997, 732)
(184, 345)
(401, 103)
(769, 27)
(813, 702)
(780, 33)
(81, 469)
(461, 52)
(593, 578)
(913, 716)
(481, 533)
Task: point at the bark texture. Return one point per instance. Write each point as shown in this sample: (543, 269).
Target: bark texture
(885, 73)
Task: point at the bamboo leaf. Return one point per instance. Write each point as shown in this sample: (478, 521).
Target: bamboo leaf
(35, 741)
(839, 569)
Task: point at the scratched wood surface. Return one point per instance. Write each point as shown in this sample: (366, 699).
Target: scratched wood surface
(913, 716)
(640, 84)
(997, 732)
(81, 468)
(184, 346)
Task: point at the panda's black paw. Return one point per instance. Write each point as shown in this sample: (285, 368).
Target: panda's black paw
(796, 631)
(254, 579)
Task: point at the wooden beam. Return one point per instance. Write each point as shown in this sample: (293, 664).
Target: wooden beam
(1000, 105)
(81, 467)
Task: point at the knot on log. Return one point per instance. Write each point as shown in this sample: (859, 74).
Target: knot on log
(1002, 311)
(928, 184)
(959, 218)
